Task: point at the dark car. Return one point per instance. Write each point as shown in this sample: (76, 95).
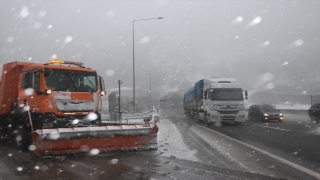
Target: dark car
(264, 112)
(314, 112)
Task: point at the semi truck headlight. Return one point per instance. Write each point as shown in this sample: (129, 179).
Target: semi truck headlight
(266, 114)
(201, 106)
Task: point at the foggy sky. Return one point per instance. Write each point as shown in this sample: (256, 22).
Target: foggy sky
(264, 44)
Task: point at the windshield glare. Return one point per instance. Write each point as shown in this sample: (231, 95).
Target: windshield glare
(226, 94)
(73, 81)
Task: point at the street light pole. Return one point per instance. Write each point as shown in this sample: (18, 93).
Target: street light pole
(134, 81)
(150, 78)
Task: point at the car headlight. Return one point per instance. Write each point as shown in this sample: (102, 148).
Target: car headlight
(281, 114)
(266, 114)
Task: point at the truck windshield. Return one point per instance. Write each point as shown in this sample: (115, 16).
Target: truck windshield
(227, 94)
(73, 81)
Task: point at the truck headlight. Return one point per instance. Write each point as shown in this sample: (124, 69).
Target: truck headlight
(266, 114)
(48, 91)
(102, 93)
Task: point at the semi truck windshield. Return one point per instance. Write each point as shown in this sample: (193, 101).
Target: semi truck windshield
(72, 81)
(226, 94)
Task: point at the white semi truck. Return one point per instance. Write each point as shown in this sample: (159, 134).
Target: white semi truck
(217, 100)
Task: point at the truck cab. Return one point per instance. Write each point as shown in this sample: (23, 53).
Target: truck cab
(57, 94)
(218, 100)
(223, 101)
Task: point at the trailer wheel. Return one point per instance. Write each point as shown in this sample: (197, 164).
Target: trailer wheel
(196, 117)
(21, 139)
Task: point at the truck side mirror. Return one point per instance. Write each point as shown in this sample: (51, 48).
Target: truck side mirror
(102, 87)
(246, 94)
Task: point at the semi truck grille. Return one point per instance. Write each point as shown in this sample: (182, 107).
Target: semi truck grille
(228, 118)
(228, 112)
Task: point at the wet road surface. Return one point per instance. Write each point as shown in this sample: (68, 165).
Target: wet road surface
(186, 151)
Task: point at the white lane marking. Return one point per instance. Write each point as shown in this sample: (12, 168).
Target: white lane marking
(277, 128)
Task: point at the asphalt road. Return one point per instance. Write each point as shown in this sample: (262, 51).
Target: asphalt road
(186, 151)
(296, 139)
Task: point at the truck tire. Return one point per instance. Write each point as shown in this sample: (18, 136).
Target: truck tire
(207, 120)
(97, 122)
(21, 139)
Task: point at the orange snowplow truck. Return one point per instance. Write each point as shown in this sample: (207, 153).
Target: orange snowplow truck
(54, 109)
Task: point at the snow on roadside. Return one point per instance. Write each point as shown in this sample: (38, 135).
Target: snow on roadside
(170, 142)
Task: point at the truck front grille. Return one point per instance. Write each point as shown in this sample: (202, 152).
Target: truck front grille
(228, 112)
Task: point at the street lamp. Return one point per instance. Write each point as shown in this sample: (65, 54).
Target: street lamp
(150, 77)
(134, 82)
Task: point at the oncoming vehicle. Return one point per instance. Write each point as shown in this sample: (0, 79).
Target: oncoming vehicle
(264, 112)
(216, 100)
(314, 112)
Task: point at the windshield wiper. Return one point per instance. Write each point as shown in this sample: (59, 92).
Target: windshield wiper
(91, 84)
(74, 83)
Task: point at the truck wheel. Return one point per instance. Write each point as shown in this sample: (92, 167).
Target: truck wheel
(207, 120)
(98, 121)
(21, 139)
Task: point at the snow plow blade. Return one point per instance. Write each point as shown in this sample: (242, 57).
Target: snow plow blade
(66, 141)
